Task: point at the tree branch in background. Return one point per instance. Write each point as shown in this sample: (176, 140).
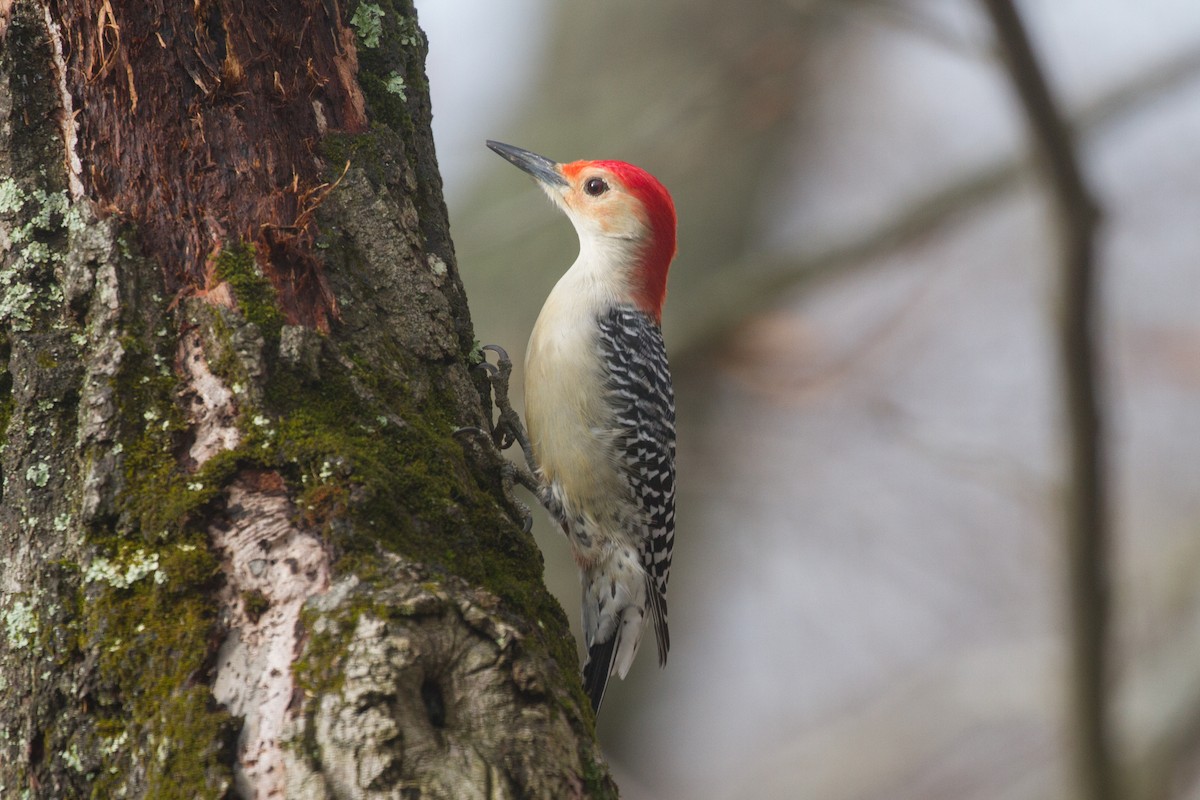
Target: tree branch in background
(724, 300)
(1086, 517)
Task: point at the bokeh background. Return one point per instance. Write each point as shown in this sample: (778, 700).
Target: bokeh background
(868, 598)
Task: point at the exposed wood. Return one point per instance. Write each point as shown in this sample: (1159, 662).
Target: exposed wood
(240, 96)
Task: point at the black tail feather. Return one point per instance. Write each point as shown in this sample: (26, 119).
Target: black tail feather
(658, 613)
(598, 668)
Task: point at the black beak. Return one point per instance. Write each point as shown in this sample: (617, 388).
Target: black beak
(539, 167)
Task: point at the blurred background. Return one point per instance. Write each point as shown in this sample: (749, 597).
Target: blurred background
(868, 599)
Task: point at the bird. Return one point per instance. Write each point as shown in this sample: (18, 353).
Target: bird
(599, 403)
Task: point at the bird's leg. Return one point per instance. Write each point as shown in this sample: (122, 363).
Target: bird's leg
(510, 474)
(506, 431)
(509, 477)
(508, 428)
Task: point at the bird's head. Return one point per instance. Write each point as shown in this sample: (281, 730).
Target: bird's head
(624, 217)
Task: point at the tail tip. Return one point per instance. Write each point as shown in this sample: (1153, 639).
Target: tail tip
(597, 671)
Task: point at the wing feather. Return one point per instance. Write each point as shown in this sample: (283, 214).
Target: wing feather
(639, 386)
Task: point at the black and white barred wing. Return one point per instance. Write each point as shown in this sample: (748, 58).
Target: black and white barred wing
(640, 390)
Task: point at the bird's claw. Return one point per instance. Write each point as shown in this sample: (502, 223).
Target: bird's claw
(505, 431)
(510, 474)
(500, 352)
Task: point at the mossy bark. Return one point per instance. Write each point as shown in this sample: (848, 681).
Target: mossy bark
(244, 552)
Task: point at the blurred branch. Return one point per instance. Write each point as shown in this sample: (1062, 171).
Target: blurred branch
(758, 281)
(1086, 517)
(918, 18)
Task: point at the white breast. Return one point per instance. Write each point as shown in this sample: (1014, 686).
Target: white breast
(570, 426)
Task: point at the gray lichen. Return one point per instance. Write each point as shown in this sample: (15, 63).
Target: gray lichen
(413, 689)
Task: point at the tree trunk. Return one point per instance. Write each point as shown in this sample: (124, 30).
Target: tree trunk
(244, 553)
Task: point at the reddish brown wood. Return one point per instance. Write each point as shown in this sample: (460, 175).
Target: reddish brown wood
(229, 154)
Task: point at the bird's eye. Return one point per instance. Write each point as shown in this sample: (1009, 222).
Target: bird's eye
(595, 187)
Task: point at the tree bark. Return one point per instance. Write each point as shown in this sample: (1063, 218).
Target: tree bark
(244, 552)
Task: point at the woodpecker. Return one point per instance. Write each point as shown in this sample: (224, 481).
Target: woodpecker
(599, 406)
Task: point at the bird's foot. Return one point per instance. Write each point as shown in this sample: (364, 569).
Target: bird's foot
(506, 430)
(510, 474)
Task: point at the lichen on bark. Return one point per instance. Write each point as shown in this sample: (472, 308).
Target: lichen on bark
(199, 442)
(413, 689)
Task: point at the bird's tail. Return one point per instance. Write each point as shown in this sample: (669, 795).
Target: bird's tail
(615, 604)
(597, 670)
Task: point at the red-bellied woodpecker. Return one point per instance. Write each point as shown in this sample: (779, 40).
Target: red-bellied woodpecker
(599, 405)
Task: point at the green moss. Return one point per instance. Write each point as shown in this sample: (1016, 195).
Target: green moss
(153, 636)
(373, 467)
(386, 105)
(255, 603)
(374, 151)
(401, 477)
(391, 70)
(597, 782)
(156, 500)
(220, 349)
(146, 604)
(11, 196)
(319, 669)
(19, 623)
(255, 295)
(126, 661)
(195, 751)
